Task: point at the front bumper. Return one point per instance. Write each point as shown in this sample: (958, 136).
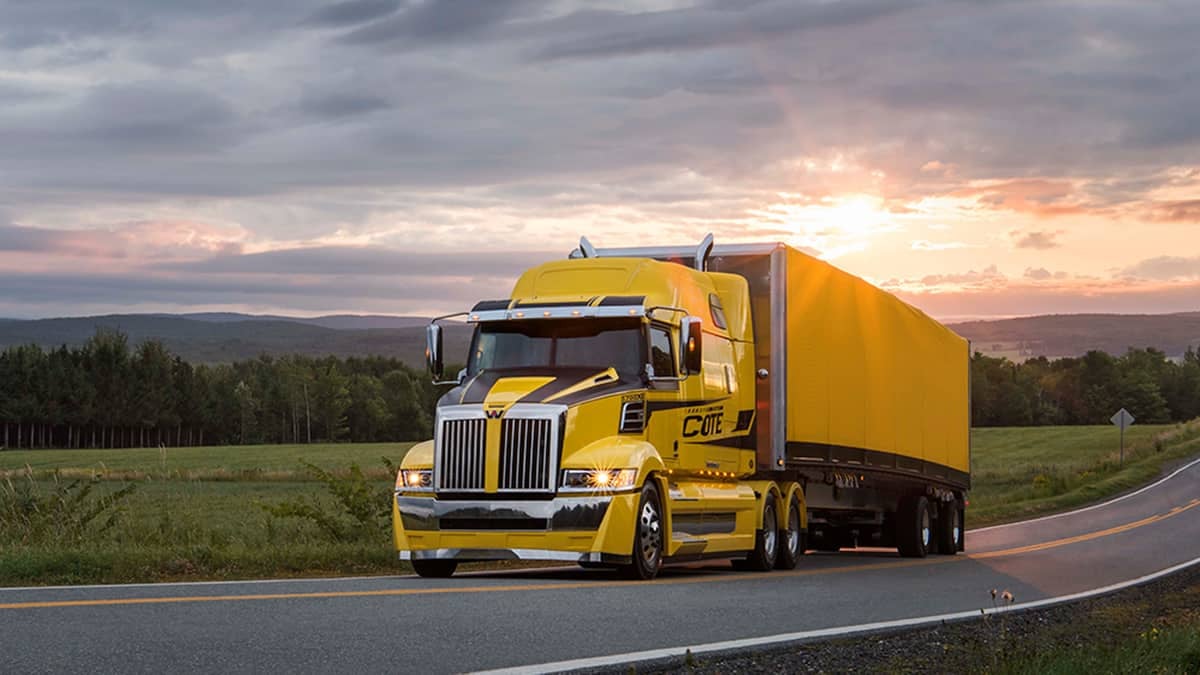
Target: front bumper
(585, 528)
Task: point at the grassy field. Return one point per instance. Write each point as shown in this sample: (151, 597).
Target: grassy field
(253, 462)
(1021, 472)
(239, 512)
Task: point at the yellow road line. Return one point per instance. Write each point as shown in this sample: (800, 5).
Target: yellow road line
(1087, 537)
(576, 585)
(102, 602)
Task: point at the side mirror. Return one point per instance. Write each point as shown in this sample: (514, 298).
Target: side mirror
(690, 341)
(433, 350)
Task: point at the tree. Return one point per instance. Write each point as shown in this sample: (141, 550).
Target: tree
(367, 414)
(330, 399)
(153, 393)
(247, 413)
(107, 357)
(408, 416)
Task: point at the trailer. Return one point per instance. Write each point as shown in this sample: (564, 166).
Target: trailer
(633, 407)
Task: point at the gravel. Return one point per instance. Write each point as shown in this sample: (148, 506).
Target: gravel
(965, 646)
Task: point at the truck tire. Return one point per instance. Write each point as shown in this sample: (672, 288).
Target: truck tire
(647, 536)
(914, 529)
(766, 544)
(949, 528)
(435, 569)
(791, 547)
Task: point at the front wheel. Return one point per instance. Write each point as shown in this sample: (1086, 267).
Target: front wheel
(647, 536)
(766, 546)
(435, 569)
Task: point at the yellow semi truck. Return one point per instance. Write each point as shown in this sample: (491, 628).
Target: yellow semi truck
(634, 407)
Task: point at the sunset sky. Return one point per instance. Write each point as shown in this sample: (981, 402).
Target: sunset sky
(379, 156)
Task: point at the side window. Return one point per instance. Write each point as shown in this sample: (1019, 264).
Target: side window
(662, 357)
(718, 312)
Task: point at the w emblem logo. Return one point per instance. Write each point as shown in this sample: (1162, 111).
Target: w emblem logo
(493, 414)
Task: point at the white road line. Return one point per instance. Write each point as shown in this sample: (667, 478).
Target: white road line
(840, 631)
(1155, 484)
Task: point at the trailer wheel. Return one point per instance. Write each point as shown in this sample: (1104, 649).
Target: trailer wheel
(914, 531)
(647, 536)
(435, 569)
(793, 539)
(766, 544)
(949, 528)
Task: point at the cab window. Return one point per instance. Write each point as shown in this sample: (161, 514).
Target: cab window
(662, 357)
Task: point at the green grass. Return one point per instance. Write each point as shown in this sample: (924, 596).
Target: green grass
(238, 462)
(1021, 472)
(1150, 632)
(198, 513)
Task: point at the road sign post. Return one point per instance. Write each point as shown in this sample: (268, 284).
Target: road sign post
(1123, 420)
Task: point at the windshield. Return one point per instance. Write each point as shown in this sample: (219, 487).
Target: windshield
(559, 343)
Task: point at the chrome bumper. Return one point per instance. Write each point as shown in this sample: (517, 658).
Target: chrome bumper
(561, 514)
(481, 554)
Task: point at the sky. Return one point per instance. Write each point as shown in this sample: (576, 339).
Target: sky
(979, 159)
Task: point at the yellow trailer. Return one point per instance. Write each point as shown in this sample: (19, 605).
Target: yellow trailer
(630, 407)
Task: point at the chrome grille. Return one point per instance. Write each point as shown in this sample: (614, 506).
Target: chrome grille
(461, 449)
(527, 449)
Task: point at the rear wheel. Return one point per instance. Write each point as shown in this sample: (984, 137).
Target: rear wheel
(435, 569)
(949, 528)
(647, 536)
(766, 545)
(914, 530)
(792, 545)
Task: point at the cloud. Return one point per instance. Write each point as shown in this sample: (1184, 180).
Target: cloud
(433, 21)
(1183, 211)
(442, 126)
(1038, 274)
(1165, 267)
(350, 104)
(371, 261)
(594, 34)
(925, 245)
(155, 240)
(1040, 240)
(352, 12)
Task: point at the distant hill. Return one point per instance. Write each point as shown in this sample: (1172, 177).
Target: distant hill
(212, 340)
(1075, 334)
(217, 337)
(335, 321)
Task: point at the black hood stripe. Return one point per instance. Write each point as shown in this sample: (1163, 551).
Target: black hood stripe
(476, 389)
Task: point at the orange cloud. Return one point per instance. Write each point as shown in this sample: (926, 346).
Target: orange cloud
(1035, 196)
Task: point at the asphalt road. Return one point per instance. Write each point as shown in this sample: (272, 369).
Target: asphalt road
(497, 620)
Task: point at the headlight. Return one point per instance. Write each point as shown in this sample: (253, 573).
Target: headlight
(604, 480)
(415, 479)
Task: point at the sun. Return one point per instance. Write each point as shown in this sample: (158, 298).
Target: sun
(834, 226)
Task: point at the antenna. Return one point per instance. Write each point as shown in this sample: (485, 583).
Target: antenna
(703, 251)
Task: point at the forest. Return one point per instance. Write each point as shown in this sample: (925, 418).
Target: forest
(1085, 390)
(109, 394)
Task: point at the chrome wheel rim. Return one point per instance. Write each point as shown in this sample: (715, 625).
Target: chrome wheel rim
(770, 532)
(793, 532)
(925, 528)
(650, 533)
